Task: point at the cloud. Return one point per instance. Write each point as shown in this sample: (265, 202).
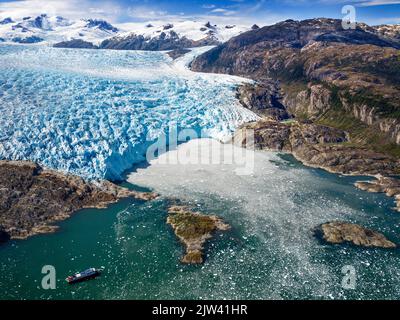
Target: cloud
(208, 6)
(145, 13)
(224, 12)
(372, 3)
(73, 9)
(358, 3)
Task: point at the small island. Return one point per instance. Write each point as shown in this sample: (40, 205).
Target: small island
(194, 229)
(339, 232)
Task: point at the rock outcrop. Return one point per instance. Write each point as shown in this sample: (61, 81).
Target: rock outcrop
(27, 40)
(33, 198)
(100, 24)
(76, 44)
(348, 233)
(312, 101)
(7, 21)
(168, 40)
(386, 30)
(317, 146)
(264, 99)
(387, 185)
(234, 55)
(193, 229)
(175, 54)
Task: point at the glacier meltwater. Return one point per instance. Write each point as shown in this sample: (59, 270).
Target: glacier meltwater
(95, 112)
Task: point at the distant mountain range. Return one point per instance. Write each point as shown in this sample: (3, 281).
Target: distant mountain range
(90, 33)
(161, 35)
(52, 29)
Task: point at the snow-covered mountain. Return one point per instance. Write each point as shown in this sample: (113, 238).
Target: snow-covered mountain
(171, 36)
(390, 31)
(50, 30)
(193, 30)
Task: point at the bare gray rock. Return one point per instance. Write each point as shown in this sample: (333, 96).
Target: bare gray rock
(76, 44)
(318, 146)
(264, 99)
(175, 54)
(168, 40)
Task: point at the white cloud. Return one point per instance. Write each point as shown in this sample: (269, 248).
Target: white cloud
(208, 6)
(358, 3)
(144, 12)
(372, 3)
(73, 9)
(225, 12)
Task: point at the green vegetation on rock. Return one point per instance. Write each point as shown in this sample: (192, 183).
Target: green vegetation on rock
(193, 229)
(360, 133)
(191, 226)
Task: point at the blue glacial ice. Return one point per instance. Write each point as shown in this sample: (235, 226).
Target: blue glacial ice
(95, 112)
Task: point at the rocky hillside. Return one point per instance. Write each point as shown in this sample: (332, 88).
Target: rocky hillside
(318, 146)
(32, 198)
(315, 70)
(168, 40)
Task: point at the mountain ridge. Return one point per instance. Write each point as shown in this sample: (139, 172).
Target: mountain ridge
(344, 78)
(62, 32)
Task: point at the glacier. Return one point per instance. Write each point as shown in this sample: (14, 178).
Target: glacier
(95, 113)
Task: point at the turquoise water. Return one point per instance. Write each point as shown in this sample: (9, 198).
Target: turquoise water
(255, 260)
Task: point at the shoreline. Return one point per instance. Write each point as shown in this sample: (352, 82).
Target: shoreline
(326, 149)
(34, 198)
(25, 214)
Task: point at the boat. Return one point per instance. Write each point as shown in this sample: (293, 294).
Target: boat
(84, 275)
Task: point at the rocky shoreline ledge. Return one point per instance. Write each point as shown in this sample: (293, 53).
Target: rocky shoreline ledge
(347, 233)
(193, 229)
(389, 186)
(318, 146)
(32, 198)
(326, 148)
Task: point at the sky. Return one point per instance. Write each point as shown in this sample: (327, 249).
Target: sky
(262, 12)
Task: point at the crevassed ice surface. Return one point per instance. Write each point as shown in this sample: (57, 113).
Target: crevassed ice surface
(95, 112)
